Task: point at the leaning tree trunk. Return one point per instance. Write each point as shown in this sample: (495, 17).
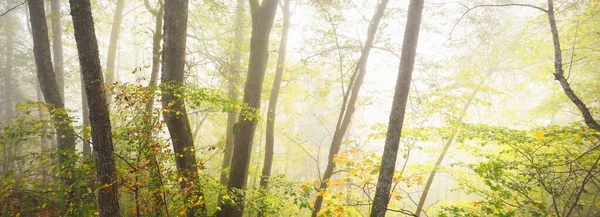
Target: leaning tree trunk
(270, 140)
(89, 61)
(112, 45)
(559, 73)
(263, 15)
(232, 88)
(392, 140)
(348, 109)
(57, 47)
(174, 112)
(447, 145)
(50, 90)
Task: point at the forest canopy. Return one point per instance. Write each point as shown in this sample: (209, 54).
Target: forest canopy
(300, 108)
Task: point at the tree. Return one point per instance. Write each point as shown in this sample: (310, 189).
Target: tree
(392, 140)
(263, 15)
(50, 90)
(174, 111)
(349, 104)
(271, 112)
(113, 43)
(232, 88)
(57, 48)
(89, 61)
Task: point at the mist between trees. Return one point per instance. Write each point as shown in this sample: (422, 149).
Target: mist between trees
(299, 108)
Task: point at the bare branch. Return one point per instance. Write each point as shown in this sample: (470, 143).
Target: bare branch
(14, 7)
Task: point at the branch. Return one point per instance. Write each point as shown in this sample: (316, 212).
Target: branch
(15, 7)
(559, 73)
(499, 5)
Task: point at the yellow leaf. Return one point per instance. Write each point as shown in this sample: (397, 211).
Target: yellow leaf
(539, 135)
(397, 197)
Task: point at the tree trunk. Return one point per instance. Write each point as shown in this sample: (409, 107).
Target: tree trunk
(8, 77)
(559, 72)
(347, 110)
(57, 48)
(174, 112)
(262, 22)
(232, 88)
(112, 46)
(270, 140)
(156, 183)
(89, 60)
(85, 115)
(47, 79)
(392, 140)
(447, 145)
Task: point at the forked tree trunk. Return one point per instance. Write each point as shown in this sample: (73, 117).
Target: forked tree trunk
(112, 45)
(347, 110)
(174, 111)
(263, 15)
(271, 111)
(50, 90)
(57, 48)
(232, 88)
(89, 61)
(392, 140)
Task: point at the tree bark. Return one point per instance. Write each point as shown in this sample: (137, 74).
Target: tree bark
(85, 115)
(89, 61)
(347, 110)
(271, 111)
(112, 46)
(262, 22)
(156, 183)
(57, 48)
(232, 88)
(559, 73)
(392, 141)
(47, 80)
(174, 111)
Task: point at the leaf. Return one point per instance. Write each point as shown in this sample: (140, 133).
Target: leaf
(539, 134)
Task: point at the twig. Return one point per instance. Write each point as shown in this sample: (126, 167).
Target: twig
(14, 7)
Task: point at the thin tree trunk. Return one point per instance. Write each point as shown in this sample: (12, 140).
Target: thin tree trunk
(112, 45)
(89, 60)
(347, 110)
(559, 72)
(271, 112)
(392, 140)
(57, 48)
(156, 184)
(47, 79)
(447, 145)
(175, 114)
(263, 15)
(232, 88)
(8, 68)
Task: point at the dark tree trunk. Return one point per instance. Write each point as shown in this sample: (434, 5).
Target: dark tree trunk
(347, 110)
(174, 112)
(85, 114)
(263, 15)
(47, 80)
(559, 73)
(89, 61)
(57, 48)
(392, 140)
(271, 112)
(232, 88)
(112, 45)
